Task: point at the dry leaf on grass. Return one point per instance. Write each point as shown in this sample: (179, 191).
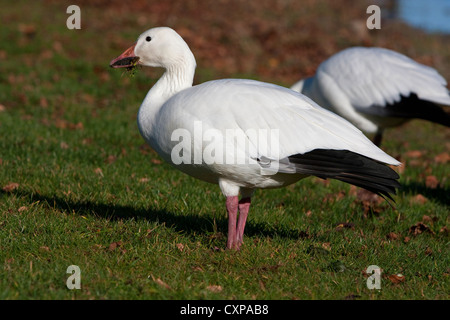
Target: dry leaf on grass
(427, 219)
(392, 236)
(444, 230)
(442, 158)
(10, 187)
(160, 282)
(346, 225)
(431, 182)
(23, 208)
(214, 288)
(110, 159)
(396, 278)
(419, 228)
(365, 196)
(98, 171)
(197, 268)
(333, 197)
(419, 199)
(113, 246)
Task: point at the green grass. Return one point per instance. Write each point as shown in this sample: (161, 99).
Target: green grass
(88, 192)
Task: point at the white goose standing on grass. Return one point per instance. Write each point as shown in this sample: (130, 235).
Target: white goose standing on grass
(377, 88)
(309, 140)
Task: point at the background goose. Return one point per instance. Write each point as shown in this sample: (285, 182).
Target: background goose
(376, 88)
(309, 140)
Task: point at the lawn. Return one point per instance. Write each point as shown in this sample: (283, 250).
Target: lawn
(78, 185)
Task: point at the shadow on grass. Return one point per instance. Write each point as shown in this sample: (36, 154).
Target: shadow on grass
(188, 224)
(441, 195)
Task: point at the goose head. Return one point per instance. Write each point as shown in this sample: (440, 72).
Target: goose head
(156, 47)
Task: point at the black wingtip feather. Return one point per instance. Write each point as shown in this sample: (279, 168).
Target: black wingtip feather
(349, 167)
(410, 107)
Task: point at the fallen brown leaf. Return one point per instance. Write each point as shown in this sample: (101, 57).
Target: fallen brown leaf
(342, 225)
(23, 208)
(392, 236)
(367, 196)
(396, 278)
(10, 187)
(111, 159)
(60, 124)
(76, 126)
(98, 171)
(431, 182)
(333, 197)
(197, 268)
(442, 158)
(113, 246)
(428, 251)
(87, 141)
(161, 283)
(419, 228)
(419, 199)
(262, 286)
(28, 30)
(214, 288)
(88, 98)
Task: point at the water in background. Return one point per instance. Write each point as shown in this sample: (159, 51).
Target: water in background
(429, 15)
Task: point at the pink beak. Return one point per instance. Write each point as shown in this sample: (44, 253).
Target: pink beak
(126, 60)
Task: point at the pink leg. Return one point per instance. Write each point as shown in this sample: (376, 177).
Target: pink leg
(232, 209)
(244, 206)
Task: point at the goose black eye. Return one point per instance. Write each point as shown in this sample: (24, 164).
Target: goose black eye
(148, 39)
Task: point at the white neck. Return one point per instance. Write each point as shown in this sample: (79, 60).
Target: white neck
(177, 77)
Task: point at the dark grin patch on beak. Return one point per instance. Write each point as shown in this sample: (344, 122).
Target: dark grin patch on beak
(128, 62)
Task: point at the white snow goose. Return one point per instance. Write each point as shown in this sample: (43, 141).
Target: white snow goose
(245, 134)
(377, 88)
